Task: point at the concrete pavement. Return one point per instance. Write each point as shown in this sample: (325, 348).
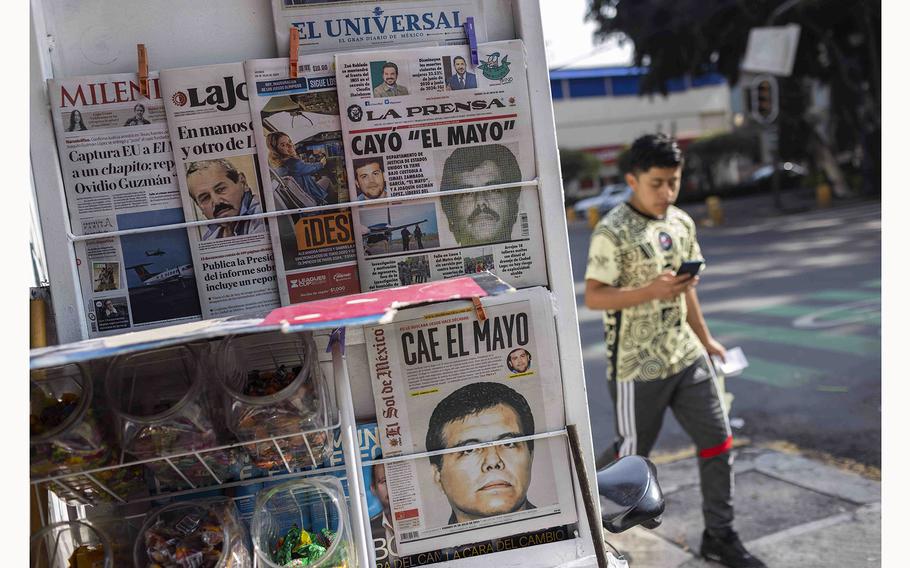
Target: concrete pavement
(790, 511)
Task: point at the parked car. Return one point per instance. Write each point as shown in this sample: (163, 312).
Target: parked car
(611, 196)
(791, 176)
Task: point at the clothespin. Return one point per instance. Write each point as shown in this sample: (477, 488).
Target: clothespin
(143, 69)
(472, 39)
(292, 55)
(337, 336)
(479, 309)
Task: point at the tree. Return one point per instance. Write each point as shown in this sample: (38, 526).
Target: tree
(839, 46)
(578, 165)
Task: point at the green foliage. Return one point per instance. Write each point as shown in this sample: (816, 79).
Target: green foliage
(577, 165)
(840, 45)
(743, 142)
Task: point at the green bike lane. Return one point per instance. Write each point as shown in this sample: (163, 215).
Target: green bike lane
(839, 324)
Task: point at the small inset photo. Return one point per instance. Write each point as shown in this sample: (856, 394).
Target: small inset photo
(400, 228)
(414, 270)
(519, 360)
(457, 73)
(384, 79)
(105, 276)
(480, 263)
(112, 313)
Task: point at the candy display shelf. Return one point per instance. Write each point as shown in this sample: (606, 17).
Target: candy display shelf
(77, 486)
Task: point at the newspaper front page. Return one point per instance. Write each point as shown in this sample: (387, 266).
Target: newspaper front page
(423, 121)
(301, 158)
(118, 173)
(208, 116)
(330, 27)
(444, 379)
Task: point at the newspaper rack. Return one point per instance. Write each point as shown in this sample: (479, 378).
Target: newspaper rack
(89, 38)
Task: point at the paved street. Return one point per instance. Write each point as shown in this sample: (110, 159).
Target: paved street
(801, 294)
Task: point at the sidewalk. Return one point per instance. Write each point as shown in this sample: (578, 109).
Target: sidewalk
(790, 511)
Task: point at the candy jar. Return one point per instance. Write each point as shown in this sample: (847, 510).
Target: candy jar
(303, 522)
(203, 534)
(66, 435)
(272, 387)
(70, 544)
(158, 400)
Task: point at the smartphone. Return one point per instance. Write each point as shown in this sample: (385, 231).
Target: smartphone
(690, 267)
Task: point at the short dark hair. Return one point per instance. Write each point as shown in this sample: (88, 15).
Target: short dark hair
(390, 65)
(457, 57)
(509, 358)
(468, 158)
(230, 170)
(138, 106)
(361, 162)
(473, 399)
(650, 151)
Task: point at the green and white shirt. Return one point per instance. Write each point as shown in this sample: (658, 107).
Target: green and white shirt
(652, 340)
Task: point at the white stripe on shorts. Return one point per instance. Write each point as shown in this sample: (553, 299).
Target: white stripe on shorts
(625, 412)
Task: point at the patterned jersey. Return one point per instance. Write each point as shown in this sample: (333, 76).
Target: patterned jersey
(628, 248)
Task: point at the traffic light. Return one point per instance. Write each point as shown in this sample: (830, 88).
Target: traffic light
(764, 99)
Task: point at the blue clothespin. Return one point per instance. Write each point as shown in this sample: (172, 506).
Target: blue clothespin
(337, 335)
(472, 39)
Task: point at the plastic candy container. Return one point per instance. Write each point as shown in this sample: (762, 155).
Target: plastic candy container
(273, 387)
(202, 534)
(158, 400)
(67, 438)
(71, 544)
(65, 434)
(302, 523)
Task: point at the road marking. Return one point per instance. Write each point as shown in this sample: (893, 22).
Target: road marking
(797, 337)
(777, 374)
(845, 295)
(863, 311)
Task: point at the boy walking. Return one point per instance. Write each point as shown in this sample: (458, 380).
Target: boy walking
(657, 340)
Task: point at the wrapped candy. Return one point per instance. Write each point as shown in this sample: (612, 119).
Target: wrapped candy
(197, 534)
(159, 401)
(273, 387)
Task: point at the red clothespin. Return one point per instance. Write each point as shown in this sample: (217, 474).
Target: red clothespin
(143, 69)
(292, 55)
(478, 309)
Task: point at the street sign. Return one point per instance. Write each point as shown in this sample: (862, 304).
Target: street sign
(764, 98)
(772, 50)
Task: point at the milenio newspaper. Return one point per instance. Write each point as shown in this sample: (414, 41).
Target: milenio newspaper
(208, 116)
(441, 379)
(329, 28)
(426, 121)
(301, 159)
(118, 173)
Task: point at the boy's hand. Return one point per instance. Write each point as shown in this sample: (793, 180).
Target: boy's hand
(668, 285)
(713, 347)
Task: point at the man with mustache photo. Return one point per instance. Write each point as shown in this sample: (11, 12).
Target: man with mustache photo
(220, 190)
(489, 481)
(482, 217)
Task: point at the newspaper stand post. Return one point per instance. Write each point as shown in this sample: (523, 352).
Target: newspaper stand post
(96, 37)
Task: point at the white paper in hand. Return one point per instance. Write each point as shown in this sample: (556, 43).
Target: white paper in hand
(614, 562)
(735, 362)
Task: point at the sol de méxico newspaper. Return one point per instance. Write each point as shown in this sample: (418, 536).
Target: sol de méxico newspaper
(425, 121)
(208, 116)
(301, 158)
(118, 174)
(330, 27)
(444, 379)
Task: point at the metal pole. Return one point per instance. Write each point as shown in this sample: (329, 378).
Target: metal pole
(360, 522)
(775, 163)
